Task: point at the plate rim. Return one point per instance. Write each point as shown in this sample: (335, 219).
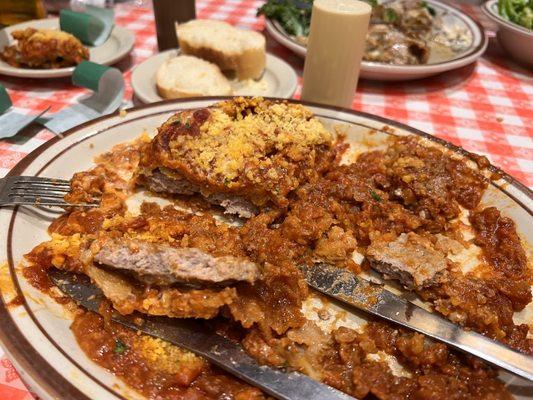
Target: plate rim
(145, 101)
(387, 121)
(372, 67)
(22, 352)
(125, 37)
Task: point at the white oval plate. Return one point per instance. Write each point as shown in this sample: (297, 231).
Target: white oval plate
(391, 72)
(278, 80)
(36, 334)
(117, 46)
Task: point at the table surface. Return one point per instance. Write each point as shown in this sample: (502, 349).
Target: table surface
(485, 107)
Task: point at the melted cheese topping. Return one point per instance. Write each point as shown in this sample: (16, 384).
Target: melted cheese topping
(229, 146)
(52, 34)
(63, 246)
(165, 356)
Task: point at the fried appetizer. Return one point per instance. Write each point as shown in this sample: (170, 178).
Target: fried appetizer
(243, 154)
(44, 49)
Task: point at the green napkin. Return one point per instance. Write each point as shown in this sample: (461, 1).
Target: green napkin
(5, 101)
(107, 84)
(92, 27)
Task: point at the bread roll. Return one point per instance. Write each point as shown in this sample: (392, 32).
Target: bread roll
(189, 76)
(232, 49)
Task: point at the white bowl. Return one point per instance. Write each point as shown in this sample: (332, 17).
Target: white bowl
(516, 40)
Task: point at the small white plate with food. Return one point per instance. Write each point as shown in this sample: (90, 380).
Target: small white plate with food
(407, 39)
(59, 60)
(214, 59)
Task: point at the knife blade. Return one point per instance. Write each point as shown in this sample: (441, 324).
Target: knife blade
(199, 339)
(346, 287)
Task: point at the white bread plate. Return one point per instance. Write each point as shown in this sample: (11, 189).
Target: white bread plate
(516, 40)
(451, 17)
(118, 45)
(278, 80)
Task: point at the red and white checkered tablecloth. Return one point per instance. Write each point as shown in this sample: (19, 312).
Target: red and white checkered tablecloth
(486, 107)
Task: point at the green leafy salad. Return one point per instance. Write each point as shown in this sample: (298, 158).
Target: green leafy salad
(518, 11)
(294, 16)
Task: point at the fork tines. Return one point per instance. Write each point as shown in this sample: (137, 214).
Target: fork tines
(37, 180)
(34, 190)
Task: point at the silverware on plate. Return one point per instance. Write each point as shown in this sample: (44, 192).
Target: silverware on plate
(36, 191)
(199, 339)
(334, 282)
(374, 299)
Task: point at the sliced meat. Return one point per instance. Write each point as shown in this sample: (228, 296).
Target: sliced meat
(161, 264)
(235, 205)
(410, 259)
(171, 302)
(387, 44)
(256, 149)
(160, 182)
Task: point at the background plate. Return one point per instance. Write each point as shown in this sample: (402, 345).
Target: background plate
(118, 45)
(390, 72)
(279, 78)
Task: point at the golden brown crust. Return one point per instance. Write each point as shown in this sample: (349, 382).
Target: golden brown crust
(232, 49)
(128, 297)
(255, 148)
(45, 49)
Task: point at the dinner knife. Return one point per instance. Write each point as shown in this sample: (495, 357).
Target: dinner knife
(201, 340)
(345, 286)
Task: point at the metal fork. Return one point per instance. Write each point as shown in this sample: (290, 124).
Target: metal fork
(36, 191)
